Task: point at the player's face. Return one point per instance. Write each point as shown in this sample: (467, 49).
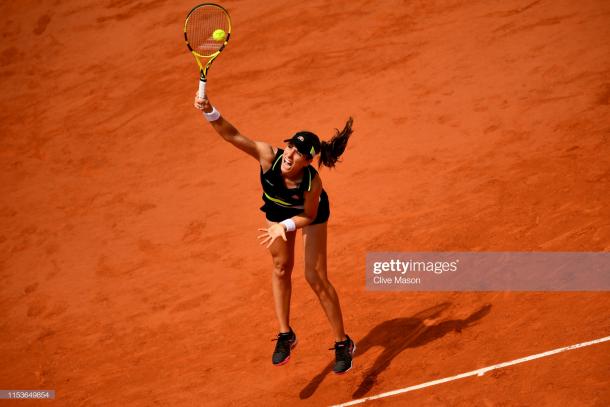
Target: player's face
(293, 160)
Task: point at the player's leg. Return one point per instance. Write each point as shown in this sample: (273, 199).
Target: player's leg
(314, 239)
(283, 261)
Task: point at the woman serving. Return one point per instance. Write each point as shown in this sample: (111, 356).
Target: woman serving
(294, 199)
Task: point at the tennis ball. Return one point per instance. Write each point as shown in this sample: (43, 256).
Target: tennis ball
(219, 35)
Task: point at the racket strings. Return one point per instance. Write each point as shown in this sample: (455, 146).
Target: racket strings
(200, 28)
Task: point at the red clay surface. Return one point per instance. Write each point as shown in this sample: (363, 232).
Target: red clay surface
(131, 273)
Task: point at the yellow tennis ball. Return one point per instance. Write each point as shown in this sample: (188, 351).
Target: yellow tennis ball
(219, 35)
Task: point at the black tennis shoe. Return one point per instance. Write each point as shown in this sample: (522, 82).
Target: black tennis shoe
(285, 343)
(344, 351)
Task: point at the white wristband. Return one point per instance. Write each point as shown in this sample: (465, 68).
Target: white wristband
(213, 115)
(290, 225)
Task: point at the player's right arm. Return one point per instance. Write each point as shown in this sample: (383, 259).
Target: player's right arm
(261, 151)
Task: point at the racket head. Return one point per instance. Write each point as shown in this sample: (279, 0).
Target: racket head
(199, 27)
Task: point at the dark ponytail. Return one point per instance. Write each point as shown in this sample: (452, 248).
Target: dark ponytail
(330, 151)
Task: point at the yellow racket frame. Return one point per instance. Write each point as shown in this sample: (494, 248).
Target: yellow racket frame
(203, 69)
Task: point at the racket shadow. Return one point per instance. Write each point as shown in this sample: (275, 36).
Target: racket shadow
(395, 336)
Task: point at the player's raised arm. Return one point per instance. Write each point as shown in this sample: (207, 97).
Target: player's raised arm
(262, 152)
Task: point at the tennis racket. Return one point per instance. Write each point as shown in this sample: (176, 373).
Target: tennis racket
(206, 32)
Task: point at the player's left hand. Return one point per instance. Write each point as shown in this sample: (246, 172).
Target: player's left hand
(271, 233)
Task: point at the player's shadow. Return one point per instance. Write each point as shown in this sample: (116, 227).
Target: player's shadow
(395, 336)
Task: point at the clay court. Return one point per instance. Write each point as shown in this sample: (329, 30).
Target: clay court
(131, 273)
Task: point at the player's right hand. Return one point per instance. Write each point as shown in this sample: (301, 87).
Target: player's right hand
(202, 104)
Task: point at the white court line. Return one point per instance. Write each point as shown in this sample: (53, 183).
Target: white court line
(478, 372)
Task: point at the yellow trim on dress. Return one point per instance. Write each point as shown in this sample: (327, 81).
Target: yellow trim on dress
(278, 201)
(273, 166)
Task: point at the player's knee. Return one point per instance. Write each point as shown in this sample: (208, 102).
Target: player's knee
(316, 281)
(282, 268)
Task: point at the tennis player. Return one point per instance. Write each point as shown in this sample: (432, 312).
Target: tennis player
(294, 199)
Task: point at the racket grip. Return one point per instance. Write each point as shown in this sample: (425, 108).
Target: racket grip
(201, 92)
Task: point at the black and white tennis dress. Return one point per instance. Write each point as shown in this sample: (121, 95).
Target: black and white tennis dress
(283, 203)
